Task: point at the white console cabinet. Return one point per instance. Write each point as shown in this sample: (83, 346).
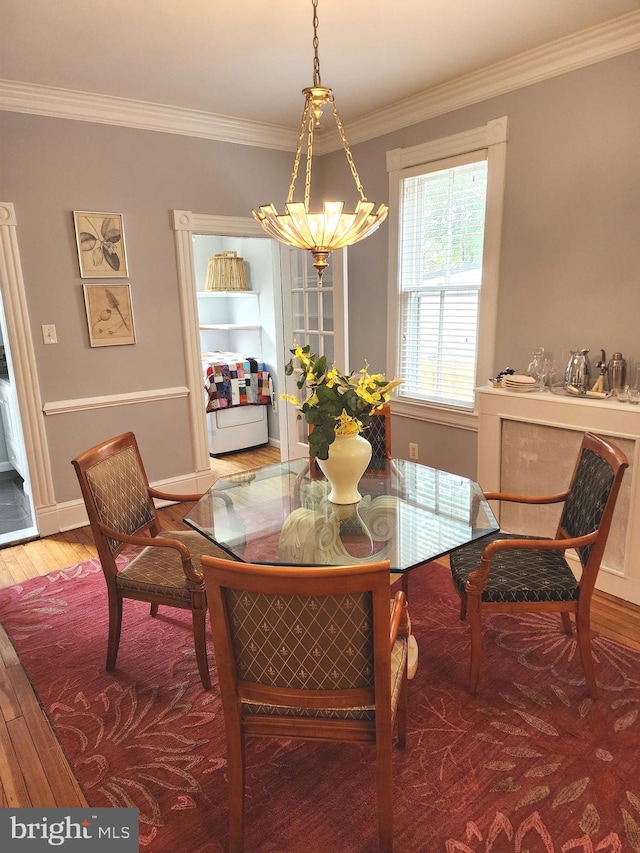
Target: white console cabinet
(528, 443)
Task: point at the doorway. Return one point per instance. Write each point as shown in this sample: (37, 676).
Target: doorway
(23, 382)
(237, 339)
(298, 311)
(17, 513)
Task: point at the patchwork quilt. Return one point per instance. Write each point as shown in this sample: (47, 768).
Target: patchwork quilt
(233, 379)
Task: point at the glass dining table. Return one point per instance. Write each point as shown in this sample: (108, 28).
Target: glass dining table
(409, 514)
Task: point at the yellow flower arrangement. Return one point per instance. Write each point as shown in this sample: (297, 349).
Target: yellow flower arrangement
(336, 404)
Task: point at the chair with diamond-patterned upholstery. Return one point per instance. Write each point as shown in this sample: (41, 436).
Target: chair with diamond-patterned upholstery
(514, 573)
(121, 510)
(313, 653)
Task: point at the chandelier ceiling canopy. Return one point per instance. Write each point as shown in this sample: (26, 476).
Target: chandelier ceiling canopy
(331, 228)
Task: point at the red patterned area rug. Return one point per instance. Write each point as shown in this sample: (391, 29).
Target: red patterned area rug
(530, 764)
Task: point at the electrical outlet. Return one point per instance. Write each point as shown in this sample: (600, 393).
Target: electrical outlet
(49, 335)
(413, 450)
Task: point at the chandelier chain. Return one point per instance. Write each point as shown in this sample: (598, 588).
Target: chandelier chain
(299, 146)
(307, 177)
(316, 43)
(347, 150)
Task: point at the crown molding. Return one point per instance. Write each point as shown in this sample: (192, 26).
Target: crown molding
(587, 47)
(595, 44)
(104, 109)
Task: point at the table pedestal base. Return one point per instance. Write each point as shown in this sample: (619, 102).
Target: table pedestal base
(412, 653)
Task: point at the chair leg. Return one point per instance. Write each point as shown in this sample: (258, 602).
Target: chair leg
(154, 609)
(583, 633)
(463, 609)
(475, 625)
(200, 641)
(566, 624)
(405, 584)
(385, 796)
(235, 772)
(115, 624)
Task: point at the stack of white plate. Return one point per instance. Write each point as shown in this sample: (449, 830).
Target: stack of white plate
(519, 383)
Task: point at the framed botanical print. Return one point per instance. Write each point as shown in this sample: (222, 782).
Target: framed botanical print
(100, 241)
(109, 314)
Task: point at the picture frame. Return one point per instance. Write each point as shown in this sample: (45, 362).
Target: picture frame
(109, 314)
(101, 246)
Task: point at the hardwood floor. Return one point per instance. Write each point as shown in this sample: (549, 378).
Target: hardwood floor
(33, 769)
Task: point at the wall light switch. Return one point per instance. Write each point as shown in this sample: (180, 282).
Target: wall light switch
(49, 335)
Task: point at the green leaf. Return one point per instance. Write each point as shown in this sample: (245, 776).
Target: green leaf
(320, 366)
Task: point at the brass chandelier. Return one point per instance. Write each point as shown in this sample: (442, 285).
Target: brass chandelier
(322, 232)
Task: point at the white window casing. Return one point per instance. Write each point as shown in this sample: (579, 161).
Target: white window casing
(487, 143)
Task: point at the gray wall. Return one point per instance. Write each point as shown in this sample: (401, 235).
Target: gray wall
(570, 271)
(52, 167)
(570, 267)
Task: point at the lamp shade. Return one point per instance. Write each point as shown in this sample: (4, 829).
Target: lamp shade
(321, 233)
(226, 272)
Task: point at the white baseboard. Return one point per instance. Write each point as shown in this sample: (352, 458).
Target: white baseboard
(72, 514)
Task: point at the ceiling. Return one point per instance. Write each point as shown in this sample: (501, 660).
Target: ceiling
(250, 58)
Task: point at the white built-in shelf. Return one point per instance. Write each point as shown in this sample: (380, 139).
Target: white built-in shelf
(226, 327)
(216, 294)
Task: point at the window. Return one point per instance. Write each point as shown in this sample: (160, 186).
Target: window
(440, 270)
(445, 243)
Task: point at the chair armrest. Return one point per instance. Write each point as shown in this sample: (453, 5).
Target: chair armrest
(399, 618)
(157, 542)
(155, 493)
(538, 544)
(527, 499)
(297, 486)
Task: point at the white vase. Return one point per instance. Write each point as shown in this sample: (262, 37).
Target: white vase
(349, 456)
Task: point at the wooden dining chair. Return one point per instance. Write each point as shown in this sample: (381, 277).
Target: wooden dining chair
(514, 573)
(378, 433)
(309, 653)
(121, 510)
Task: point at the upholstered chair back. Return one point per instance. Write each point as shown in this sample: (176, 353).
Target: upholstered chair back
(588, 496)
(378, 434)
(304, 642)
(120, 493)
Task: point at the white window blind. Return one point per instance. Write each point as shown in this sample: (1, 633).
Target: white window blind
(442, 223)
